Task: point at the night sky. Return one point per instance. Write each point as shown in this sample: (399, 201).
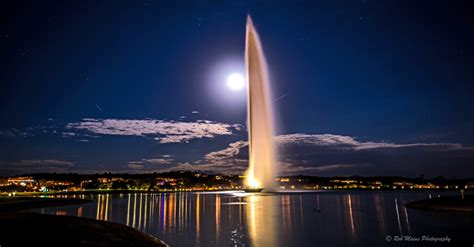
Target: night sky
(360, 87)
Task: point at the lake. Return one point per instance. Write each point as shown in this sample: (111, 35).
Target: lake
(319, 218)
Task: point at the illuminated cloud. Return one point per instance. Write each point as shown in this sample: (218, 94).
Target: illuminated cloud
(231, 151)
(329, 155)
(162, 131)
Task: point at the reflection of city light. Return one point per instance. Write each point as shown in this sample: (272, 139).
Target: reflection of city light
(140, 212)
(79, 212)
(171, 207)
(398, 217)
(128, 211)
(301, 210)
(378, 202)
(406, 217)
(164, 203)
(286, 213)
(106, 213)
(134, 209)
(152, 209)
(349, 202)
(145, 213)
(61, 212)
(198, 216)
(97, 208)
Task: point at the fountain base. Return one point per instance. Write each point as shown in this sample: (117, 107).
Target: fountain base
(253, 190)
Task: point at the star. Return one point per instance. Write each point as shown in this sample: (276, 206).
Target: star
(199, 21)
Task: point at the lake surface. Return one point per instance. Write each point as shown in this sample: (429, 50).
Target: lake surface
(345, 218)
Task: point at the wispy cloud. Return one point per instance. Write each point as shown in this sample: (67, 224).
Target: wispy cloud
(14, 132)
(163, 131)
(68, 134)
(234, 167)
(159, 161)
(288, 168)
(135, 165)
(231, 151)
(328, 154)
(350, 142)
(151, 164)
(44, 162)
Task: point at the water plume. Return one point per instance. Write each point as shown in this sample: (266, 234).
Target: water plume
(262, 160)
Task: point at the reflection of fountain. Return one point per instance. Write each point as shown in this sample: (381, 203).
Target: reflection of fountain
(262, 162)
(261, 223)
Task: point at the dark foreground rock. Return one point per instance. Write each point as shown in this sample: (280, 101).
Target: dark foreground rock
(32, 229)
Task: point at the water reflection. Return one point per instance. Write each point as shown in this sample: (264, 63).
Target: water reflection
(198, 217)
(398, 218)
(299, 219)
(286, 213)
(406, 218)
(261, 220)
(350, 215)
(102, 211)
(218, 215)
(379, 212)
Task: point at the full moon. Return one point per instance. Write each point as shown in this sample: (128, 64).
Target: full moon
(235, 81)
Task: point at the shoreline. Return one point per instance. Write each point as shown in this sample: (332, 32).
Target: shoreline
(97, 192)
(23, 228)
(445, 204)
(14, 204)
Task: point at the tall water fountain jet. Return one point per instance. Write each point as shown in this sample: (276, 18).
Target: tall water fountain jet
(262, 160)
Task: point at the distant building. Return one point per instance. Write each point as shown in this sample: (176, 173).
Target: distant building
(117, 179)
(103, 180)
(469, 185)
(23, 181)
(3, 182)
(345, 181)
